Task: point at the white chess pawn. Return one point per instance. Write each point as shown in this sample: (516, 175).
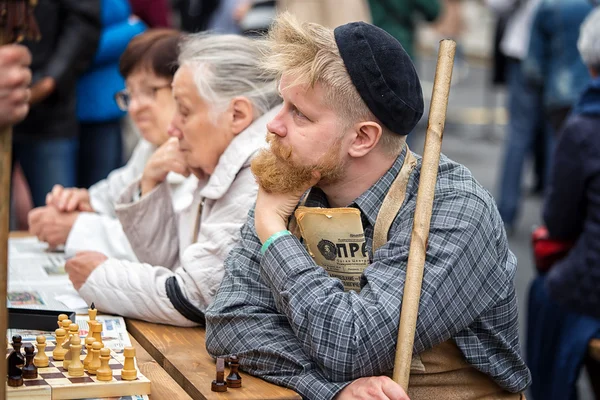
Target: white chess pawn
(129, 373)
(41, 360)
(73, 331)
(75, 366)
(95, 363)
(59, 353)
(104, 373)
(89, 341)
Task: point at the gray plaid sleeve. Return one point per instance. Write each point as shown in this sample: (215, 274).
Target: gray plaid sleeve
(244, 321)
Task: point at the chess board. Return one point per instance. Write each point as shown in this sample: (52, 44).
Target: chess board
(54, 382)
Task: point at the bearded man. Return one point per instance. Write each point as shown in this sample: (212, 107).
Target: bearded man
(349, 98)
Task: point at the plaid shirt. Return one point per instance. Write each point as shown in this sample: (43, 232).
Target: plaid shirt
(292, 324)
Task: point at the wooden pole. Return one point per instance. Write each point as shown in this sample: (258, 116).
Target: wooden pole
(5, 172)
(422, 218)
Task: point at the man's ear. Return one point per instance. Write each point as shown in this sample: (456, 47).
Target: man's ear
(242, 114)
(367, 135)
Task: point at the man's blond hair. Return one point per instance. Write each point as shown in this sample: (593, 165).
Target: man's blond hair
(308, 52)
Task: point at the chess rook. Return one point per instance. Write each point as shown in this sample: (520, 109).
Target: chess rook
(59, 353)
(75, 367)
(41, 359)
(29, 370)
(234, 380)
(219, 385)
(104, 373)
(129, 373)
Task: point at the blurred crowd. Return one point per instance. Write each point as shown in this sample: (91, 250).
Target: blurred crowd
(103, 71)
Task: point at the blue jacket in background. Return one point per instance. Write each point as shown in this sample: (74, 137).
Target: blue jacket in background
(97, 87)
(553, 60)
(572, 207)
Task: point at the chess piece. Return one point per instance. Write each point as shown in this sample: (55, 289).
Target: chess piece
(234, 380)
(129, 373)
(15, 363)
(73, 331)
(41, 359)
(59, 353)
(95, 363)
(92, 312)
(65, 324)
(75, 367)
(97, 332)
(89, 341)
(61, 318)
(219, 385)
(104, 373)
(29, 370)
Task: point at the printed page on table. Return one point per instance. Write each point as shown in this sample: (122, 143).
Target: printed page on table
(37, 278)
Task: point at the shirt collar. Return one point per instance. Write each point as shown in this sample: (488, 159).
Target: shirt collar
(370, 201)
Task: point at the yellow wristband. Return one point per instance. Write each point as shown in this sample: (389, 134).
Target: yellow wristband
(271, 239)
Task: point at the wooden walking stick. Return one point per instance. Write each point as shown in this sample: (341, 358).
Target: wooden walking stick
(16, 23)
(422, 218)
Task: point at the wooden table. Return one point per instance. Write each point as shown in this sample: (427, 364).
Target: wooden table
(162, 386)
(182, 353)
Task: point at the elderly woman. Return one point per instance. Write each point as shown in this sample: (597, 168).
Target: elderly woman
(564, 304)
(223, 103)
(86, 220)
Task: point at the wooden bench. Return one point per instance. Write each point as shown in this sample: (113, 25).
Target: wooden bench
(182, 353)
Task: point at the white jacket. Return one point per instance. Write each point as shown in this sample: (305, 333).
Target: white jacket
(101, 230)
(162, 239)
(515, 41)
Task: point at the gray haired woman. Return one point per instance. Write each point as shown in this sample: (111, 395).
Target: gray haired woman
(223, 101)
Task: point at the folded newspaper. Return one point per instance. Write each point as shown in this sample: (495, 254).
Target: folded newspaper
(335, 238)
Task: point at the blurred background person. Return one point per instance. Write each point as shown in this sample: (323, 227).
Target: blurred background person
(86, 220)
(46, 142)
(100, 141)
(14, 93)
(154, 13)
(195, 15)
(330, 13)
(399, 18)
(524, 104)
(553, 62)
(564, 303)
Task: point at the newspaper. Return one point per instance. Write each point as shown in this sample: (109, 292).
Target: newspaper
(37, 278)
(334, 237)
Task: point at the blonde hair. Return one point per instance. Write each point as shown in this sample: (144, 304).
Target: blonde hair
(308, 52)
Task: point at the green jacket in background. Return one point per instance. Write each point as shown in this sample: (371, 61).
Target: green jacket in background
(398, 18)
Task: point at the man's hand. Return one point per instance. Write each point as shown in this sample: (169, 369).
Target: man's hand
(50, 225)
(167, 158)
(42, 89)
(273, 210)
(81, 266)
(67, 200)
(15, 77)
(373, 388)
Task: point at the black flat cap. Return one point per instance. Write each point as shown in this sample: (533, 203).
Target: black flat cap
(383, 74)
